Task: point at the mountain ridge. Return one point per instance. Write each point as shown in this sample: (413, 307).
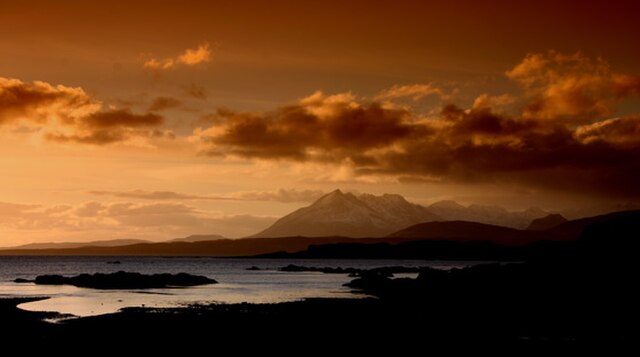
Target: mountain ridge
(345, 214)
(368, 215)
(566, 232)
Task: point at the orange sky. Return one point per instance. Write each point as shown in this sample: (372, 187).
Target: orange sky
(159, 119)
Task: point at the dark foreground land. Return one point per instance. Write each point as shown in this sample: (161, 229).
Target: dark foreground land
(579, 301)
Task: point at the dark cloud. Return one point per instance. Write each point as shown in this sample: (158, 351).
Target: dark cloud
(164, 103)
(41, 102)
(120, 118)
(562, 139)
(318, 128)
(107, 127)
(68, 114)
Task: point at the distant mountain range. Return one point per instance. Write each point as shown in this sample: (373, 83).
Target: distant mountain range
(345, 214)
(111, 243)
(452, 240)
(68, 245)
(198, 238)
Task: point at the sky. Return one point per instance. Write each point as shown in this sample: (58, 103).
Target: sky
(162, 119)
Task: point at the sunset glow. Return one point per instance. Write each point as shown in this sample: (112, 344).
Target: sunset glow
(162, 119)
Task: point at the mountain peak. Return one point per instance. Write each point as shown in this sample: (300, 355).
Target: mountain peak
(448, 204)
(345, 214)
(335, 196)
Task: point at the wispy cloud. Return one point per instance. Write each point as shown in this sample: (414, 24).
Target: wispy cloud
(190, 57)
(413, 91)
(279, 195)
(126, 219)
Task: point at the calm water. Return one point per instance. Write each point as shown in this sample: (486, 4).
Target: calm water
(236, 283)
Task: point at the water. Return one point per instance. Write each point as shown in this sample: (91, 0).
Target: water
(236, 283)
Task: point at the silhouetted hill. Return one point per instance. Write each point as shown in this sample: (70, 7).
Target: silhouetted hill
(600, 235)
(613, 239)
(97, 243)
(199, 238)
(547, 222)
(572, 230)
(467, 231)
(221, 247)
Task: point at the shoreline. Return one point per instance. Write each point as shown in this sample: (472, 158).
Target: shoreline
(364, 325)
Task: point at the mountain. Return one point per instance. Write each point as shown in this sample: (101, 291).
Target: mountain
(546, 222)
(495, 215)
(366, 215)
(345, 214)
(67, 245)
(198, 238)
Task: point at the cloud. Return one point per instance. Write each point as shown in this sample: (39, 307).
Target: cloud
(164, 103)
(89, 209)
(151, 195)
(318, 127)
(66, 114)
(571, 86)
(560, 140)
(618, 131)
(413, 91)
(279, 195)
(14, 209)
(190, 57)
(42, 102)
(126, 219)
(494, 102)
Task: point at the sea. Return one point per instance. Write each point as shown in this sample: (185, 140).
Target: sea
(236, 284)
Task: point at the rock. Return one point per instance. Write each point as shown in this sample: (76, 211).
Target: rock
(125, 280)
(22, 281)
(255, 268)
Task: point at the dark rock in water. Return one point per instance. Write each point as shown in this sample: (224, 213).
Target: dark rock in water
(253, 268)
(21, 280)
(352, 272)
(326, 270)
(114, 262)
(125, 280)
